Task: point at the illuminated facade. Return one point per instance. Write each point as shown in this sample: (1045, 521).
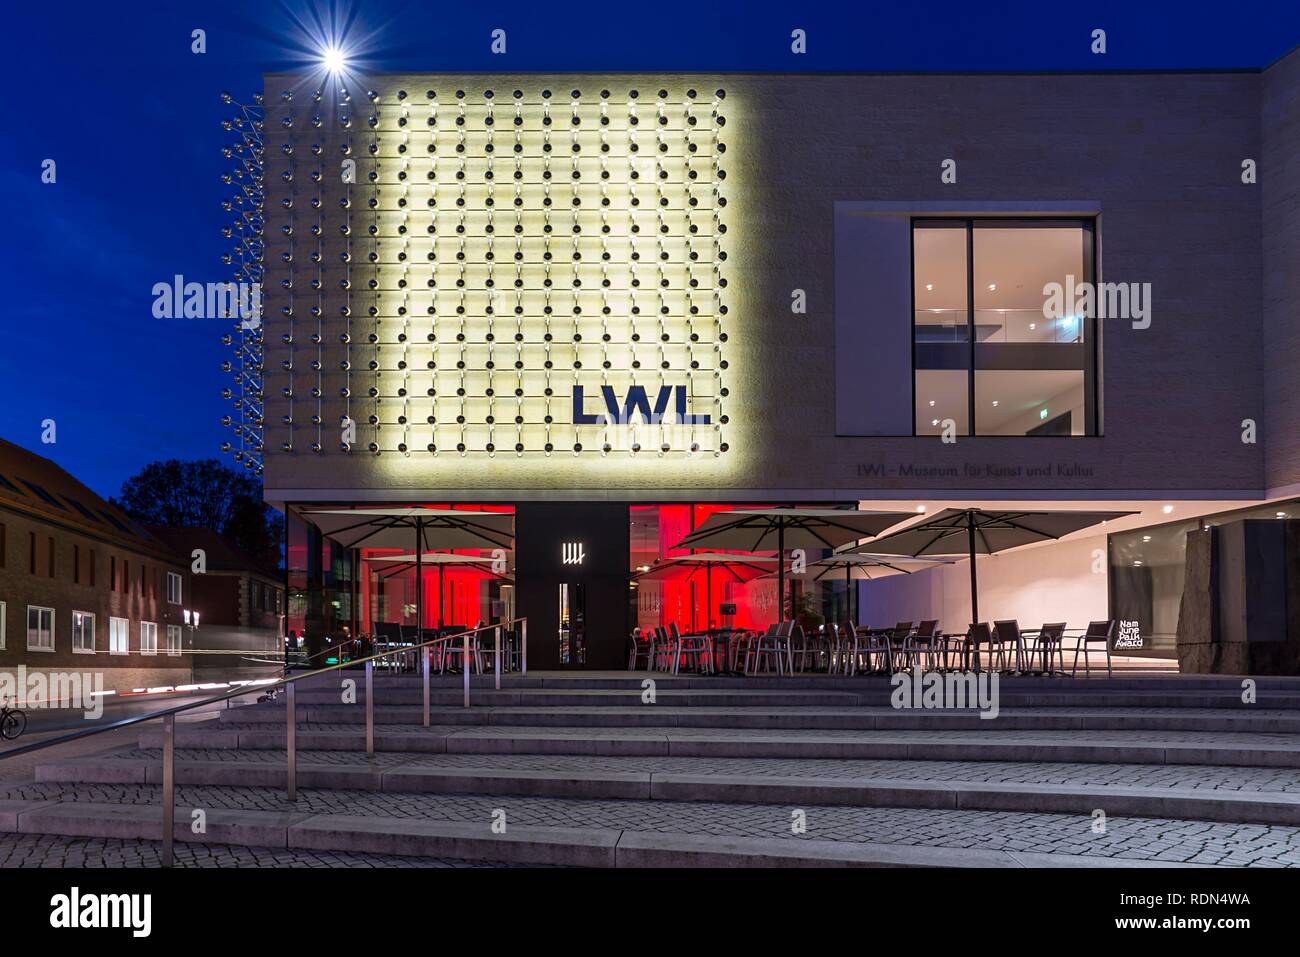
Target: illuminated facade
(638, 290)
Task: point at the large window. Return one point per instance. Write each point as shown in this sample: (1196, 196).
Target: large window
(148, 638)
(83, 632)
(995, 354)
(173, 639)
(117, 636)
(173, 588)
(40, 628)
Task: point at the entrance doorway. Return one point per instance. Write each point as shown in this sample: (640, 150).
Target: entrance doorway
(572, 583)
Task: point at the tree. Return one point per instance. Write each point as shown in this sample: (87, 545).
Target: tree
(205, 494)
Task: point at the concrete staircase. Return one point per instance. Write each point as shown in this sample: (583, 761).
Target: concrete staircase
(585, 770)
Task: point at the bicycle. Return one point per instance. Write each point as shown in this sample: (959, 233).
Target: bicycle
(12, 722)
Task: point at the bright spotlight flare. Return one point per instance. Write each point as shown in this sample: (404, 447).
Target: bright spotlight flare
(333, 59)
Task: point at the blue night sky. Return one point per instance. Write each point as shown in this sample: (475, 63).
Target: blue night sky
(112, 93)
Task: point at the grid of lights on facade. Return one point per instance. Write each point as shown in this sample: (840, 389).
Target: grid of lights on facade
(500, 271)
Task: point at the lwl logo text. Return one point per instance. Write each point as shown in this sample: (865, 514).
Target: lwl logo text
(572, 553)
(637, 402)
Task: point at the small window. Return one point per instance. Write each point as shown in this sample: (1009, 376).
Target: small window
(126, 577)
(83, 633)
(40, 628)
(50, 562)
(173, 588)
(173, 639)
(148, 638)
(76, 564)
(4, 616)
(3, 545)
(86, 513)
(117, 639)
(44, 495)
(91, 569)
(31, 544)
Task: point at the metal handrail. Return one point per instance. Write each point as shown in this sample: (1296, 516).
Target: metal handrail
(168, 715)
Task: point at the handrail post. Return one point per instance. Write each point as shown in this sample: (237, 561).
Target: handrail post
(428, 654)
(465, 662)
(523, 645)
(169, 788)
(497, 655)
(291, 739)
(370, 707)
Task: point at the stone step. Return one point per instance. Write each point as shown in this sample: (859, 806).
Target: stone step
(777, 698)
(627, 681)
(864, 718)
(1243, 795)
(991, 743)
(521, 844)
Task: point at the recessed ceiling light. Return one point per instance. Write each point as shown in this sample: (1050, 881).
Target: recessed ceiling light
(932, 403)
(920, 508)
(993, 287)
(1146, 538)
(1137, 563)
(1167, 509)
(1281, 514)
(934, 421)
(929, 287)
(1033, 326)
(995, 403)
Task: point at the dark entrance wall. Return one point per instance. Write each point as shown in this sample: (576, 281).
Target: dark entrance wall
(541, 531)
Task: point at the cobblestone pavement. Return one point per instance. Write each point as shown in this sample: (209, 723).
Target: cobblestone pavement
(1124, 838)
(52, 851)
(1197, 777)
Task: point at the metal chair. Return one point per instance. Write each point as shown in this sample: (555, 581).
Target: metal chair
(639, 646)
(977, 635)
(1048, 643)
(923, 645)
(1103, 631)
(774, 645)
(686, 646)
(1008, 633)
(869, 642)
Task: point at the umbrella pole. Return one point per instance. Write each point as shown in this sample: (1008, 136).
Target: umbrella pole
(419, 578)
(440, 594)
(848, 593)
(708, 597)
(974, 586)
(780, 569)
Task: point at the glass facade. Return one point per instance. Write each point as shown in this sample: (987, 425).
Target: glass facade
(994, 353)
(1148, 568)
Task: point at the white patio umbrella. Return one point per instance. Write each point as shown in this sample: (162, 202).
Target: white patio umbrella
(978, 531)
(776, 529)
(426, 529)
(399, 563)
(861, 566)
(741, 568)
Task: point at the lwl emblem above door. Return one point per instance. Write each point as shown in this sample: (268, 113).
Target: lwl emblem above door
(572, 553)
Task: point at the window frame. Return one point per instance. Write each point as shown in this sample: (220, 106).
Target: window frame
(85, 616)
(125, 635)
(1088, 225)
(174, 650)
(180, 583)
(153, 630)
(53, 623)
(4, 617)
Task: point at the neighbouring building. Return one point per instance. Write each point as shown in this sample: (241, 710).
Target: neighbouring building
(82, 586)
(239, 597)
(612, 304)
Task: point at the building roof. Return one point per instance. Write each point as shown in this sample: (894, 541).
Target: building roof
(32, 484)
(221, 554)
